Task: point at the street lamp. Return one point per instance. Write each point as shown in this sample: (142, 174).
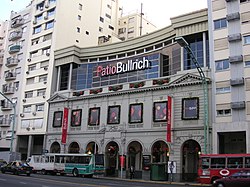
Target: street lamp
(183, 43)
(14, 121)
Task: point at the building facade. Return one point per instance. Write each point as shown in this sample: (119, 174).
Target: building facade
(141, 98)
(229, 40)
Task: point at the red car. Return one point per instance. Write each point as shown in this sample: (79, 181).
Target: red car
(240, 179)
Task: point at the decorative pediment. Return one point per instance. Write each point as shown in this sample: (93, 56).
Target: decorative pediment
(187, 79)
(57, 97)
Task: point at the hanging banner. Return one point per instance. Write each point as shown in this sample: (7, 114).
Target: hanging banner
(169, 119)
(65, 125)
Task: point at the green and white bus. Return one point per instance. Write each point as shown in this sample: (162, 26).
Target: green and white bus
(76, 164)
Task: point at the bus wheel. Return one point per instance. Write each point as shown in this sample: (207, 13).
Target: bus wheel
(43, 172)
(75, 172)
(220, 185)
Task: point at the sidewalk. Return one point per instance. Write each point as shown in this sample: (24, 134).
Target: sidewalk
(155, 182)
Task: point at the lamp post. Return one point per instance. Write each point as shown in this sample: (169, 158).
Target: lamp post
(13, 122)
(183, 43)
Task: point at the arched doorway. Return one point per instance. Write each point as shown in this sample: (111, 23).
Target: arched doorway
(74, 148)
(55, 147)
(112, 150)
(92, 147)
(135, 155)
(190, 160)
(160, 152)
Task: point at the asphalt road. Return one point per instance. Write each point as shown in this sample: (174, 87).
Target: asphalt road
(37, 180)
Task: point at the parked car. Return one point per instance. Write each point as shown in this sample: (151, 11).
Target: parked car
(241, 179)
(17, 167)
(2, 163)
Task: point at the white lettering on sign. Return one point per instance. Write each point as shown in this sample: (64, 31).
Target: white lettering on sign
(124, 67)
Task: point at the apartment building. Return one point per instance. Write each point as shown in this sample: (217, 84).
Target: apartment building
(229, 26)
(142, 98)
(16, 46)
(134, 25)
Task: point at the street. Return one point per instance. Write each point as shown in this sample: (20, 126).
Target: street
(37, 180)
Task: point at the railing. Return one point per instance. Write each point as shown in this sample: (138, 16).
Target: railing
(15, 35)
(5, 122)
(10, 76)
(8, 89)
(15, 48)
(11, 62)
(17, 22)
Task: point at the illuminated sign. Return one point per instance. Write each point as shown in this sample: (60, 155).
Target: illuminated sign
(121, 67)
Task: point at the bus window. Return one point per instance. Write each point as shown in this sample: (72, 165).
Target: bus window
(247, 162)
(51, 159)
(218, 162)
(205, 163)
(235, 162)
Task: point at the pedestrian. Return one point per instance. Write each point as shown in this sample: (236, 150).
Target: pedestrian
(132, 172)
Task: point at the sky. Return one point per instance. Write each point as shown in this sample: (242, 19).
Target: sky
(158, 12)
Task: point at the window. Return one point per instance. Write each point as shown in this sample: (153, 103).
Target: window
(101, 19)
(247, 39)
(78, 29)
(131, 20)
(49, 25)
(136, 113)
(51, 12)
(131, 30)
(52, 1)
(87, 32)
(39, 17)
(223, 90)
(30, 80)
(111, 27)
(33, 54)
(24, 29)
(32, 67)
(80, 6)
(37, 29)
(43, 78)
(219, 24)
(224, 112)
(113, 114)
(109, 6)
(46, 51)
(41, 92)
(35, 41)
(27, 109)
(247, 63)
(79, 17)
(222, 65)
(76, 117)
(39, 107)
(108, 16)
(57, 119)
(28, 94)
(47, 37)
(100, 29)
(40, 6)
(218, 162)
(16, 85)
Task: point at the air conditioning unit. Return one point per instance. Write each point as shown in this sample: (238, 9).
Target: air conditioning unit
(233, 16)
(29, 60)
(34, 113)
(44, 96)
(47, 54)
(45, 68)
(41, 8)
(45, 17)
(238, 105)
(47, 5)
(24, 100)
(235, 59)
(234, 37)
(34, 22)
(27, 72)
(45, 82)
(22, 115)
(27, 128)
(236, 82)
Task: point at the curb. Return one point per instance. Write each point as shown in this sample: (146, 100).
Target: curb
(155, 182)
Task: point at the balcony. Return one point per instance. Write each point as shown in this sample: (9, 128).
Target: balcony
(12, 62)
(5, 122)
(17, 22)
(15, 35)
(15, 48)
(8, 89)
(6, 105)
(238, 105)
(234, 37)
(10, 76)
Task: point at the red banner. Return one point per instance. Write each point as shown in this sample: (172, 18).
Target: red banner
(65, 125)
(169, 119)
